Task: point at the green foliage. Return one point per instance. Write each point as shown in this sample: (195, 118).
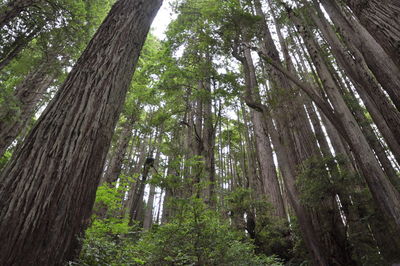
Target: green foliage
(195, 236)
(4, 159)
(271, 234)
(198, 236)
(323, 178)
(326, 178)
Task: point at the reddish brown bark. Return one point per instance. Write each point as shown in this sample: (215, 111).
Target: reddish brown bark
(48, 188)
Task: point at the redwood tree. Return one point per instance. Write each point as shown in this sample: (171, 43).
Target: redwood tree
(48, 188)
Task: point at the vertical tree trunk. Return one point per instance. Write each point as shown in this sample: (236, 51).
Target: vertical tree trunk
(263, 148)
(48, 188)
(148, 215)
(208, 141)
(115, 166)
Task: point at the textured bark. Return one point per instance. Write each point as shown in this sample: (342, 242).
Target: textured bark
(287, 166)
(208, 141)
(384, 193)
(115, 166)
(48, 188)
(384, 114)
(383, 67)
(382, 19)
(263, 147)
(283, 140)
(27, 95)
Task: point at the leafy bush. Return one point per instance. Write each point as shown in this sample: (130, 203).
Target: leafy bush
(196, 236)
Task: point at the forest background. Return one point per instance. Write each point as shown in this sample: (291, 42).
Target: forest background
(252, 132)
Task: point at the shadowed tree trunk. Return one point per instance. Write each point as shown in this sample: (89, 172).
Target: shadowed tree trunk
(382, 19)
(148, 215)
(48, 188)
(208, 141)
(384, 114)
(114, 168)
(383, 67)
(13, 8)
(382, 190)
(27, 95)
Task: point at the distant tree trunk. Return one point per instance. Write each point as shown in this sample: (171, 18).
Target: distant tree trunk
(382, 19)
(13, 8)
(384, 114)
(48, 188)
(115, 166)
(138, 196)
(208, 142)
(27, 95)
(382, 190)
(141, 157)
(263, 146)
(383, 67)
(17, 46)
(250, 165)
(167, 209)
(148, 214)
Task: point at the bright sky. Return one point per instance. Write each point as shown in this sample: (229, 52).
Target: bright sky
(162, 19)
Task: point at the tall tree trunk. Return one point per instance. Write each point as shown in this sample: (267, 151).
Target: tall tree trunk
(384, 114)
(148, 215)
(383, 67)
(115, 166)
(141, 157)
(382, 190)
(27, 94)
(208, 141)
(135, 213)
(61, 160)
(382, 19)
(263, 146)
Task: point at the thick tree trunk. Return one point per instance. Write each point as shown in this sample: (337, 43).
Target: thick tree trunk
(382, 19)
(263, 147)
(287, 167)
(48, 188)
(384, 114)
(382, 65)
(382, 190)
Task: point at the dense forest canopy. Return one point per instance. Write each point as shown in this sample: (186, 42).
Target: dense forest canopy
(253, 132)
